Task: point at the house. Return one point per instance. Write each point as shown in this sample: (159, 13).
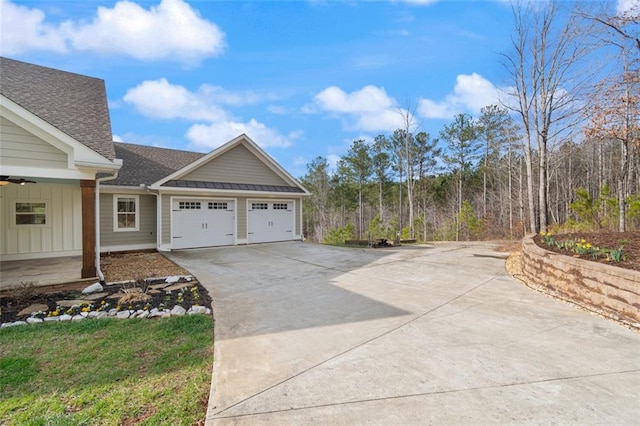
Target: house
(67, 189)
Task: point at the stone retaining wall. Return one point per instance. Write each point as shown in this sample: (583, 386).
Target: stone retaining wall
(613, 291)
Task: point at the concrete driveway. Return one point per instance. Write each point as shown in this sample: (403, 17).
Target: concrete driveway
(308, 334)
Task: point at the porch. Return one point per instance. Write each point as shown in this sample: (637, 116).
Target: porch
(42, 272)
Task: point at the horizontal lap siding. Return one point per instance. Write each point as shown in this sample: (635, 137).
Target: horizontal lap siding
(147, 232)
(239, 165)
(63, 232)
(21, 148)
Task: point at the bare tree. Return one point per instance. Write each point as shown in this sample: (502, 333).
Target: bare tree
(548, 48)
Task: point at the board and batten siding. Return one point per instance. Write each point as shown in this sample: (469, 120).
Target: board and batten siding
(238, 165)
(62, 234)
(144, 238)
(21, 148)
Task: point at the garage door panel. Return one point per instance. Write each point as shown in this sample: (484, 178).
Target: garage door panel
(270, 221)
(203, 223)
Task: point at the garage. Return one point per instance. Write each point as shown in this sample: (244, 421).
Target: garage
(199, 222)
(270, 220)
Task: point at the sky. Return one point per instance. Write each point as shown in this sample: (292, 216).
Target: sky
(301, 78)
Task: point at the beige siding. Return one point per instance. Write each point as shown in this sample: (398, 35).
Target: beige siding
(166, 219)
(239, 165)
(21, 148)
(241, 218)
(61, 235)
(145, 236)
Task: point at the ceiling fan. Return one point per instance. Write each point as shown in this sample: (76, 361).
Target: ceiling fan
(5, 180)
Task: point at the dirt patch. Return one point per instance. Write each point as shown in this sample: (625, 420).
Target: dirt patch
(629, 242)
(140, 264)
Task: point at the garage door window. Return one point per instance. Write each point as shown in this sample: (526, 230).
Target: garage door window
(189, 205)
(126, 215)
(280, 206)
(218, 206)
(259, 206)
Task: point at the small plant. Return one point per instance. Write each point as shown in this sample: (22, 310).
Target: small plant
(615, 255)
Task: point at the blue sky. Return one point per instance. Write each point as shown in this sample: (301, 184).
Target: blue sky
(301, 78)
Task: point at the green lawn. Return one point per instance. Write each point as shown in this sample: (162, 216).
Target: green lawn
(106, 372)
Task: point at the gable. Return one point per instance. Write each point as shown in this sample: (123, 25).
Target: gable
(237, 165)
(72, 103)
(22, 148)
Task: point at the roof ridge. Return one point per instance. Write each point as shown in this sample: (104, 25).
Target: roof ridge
(157, 147)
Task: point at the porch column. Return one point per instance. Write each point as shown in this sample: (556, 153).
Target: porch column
(88, 188)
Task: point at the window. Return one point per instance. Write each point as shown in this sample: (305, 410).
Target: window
(259, 206)
(30, 213)
(126, 216)
(280, 206)
(218, 205)
(189, 205)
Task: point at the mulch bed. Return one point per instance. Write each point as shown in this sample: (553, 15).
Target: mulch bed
(629, 241)
(158, 295)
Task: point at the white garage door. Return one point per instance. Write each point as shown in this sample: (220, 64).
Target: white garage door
(270, 221)
(202, 223)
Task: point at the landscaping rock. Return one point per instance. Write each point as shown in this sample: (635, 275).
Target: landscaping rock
(123, 314)
(33, 320)
(173, 279)
(77, 318)
(178, 311)
(93, 288)
(96, 296)
(37, 307)
(92, 314)
(51, 319)
(101, 315)
(73, 302)
(178, 286)
(158, 286)
(143, 314)
(112, 312)
(65, 317)
(197, 310)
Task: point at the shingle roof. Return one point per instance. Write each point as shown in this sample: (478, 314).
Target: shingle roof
(231, 186)
(148, 164)
(73, 103)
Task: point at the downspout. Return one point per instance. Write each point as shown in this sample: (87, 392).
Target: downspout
(158, 217)
(97, 220)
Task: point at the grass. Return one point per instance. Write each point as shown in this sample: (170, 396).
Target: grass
(107, 372)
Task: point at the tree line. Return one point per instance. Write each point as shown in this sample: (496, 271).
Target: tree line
(561, 148)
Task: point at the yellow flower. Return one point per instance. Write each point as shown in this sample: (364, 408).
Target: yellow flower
(588, 245)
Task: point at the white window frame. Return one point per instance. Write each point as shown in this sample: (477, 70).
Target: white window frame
(14, 213)
(136, 199)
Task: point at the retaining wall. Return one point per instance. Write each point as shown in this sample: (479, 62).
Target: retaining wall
(612, 290)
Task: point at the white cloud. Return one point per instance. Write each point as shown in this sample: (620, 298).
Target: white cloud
(23, 29)
(211, 136)
(470, 94)
(628, 7)
(161, 99)
(117, 138)
(170, 31)
(368, 109)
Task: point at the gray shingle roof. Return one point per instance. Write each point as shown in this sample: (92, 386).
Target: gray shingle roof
(73, 103)
(232, 186)
(148, 164)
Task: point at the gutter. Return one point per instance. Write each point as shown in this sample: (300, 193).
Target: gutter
(97, 222)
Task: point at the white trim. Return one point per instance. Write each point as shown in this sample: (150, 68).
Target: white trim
(249, 144)
(41, 254)
(201, 199)
(130, 247)
(136, 199)
(228, 192)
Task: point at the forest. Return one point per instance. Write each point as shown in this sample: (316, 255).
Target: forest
(560, 152)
